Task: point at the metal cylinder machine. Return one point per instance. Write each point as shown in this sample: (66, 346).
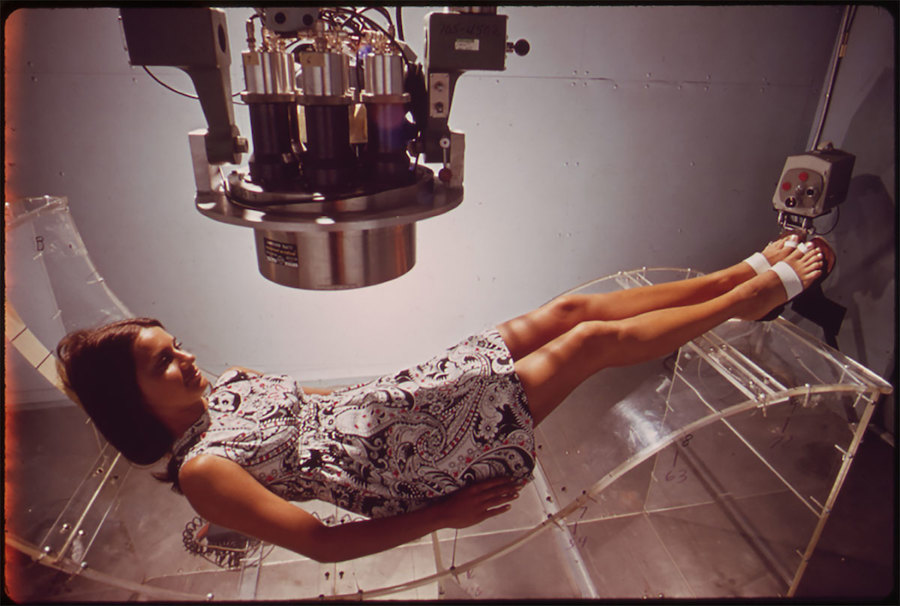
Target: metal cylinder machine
(341, 114)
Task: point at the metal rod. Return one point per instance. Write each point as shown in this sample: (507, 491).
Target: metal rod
(832, 497)
(843, 35)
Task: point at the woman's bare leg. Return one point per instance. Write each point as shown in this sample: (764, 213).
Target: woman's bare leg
(532, 330)
(552, 371)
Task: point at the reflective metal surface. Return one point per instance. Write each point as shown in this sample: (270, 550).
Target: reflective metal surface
(322, 242)
(268, 73)
(329, 260)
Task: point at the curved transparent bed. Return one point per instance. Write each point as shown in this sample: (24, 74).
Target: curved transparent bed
(708, 474)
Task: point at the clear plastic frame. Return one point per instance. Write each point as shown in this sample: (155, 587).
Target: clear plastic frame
(710, 473)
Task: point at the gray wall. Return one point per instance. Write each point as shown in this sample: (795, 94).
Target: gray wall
(628, 137)
(862, 120)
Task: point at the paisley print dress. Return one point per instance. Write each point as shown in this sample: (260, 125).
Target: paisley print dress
(381, 448)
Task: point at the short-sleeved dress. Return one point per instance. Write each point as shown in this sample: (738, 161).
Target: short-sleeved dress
(384, 447)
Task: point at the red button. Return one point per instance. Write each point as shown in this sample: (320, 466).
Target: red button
(786, 185)
(803, 176)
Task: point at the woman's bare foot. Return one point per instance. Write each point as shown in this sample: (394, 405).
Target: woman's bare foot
(767, 291)
(761, 262)
(777, 251)
(807, 265)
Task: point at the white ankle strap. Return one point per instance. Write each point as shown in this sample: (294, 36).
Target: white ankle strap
(758, 262)
(789, 279)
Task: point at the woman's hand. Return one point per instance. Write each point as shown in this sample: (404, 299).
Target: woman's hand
(226, 494)
(478, 502)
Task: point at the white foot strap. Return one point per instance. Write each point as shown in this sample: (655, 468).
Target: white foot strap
(758, 262)
(789, 279)
(794, 242)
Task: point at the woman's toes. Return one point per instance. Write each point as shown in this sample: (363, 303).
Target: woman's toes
(828, 256)
(780, 248)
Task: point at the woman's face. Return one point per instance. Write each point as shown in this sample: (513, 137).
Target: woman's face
(168, 378)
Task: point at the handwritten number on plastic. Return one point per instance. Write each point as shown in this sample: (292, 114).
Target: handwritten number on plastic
(679, 476)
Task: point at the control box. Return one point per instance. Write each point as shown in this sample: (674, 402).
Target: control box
(813, 183)
(287, 20)
(463, 41)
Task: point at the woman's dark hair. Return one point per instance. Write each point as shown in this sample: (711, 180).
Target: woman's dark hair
(98, 366)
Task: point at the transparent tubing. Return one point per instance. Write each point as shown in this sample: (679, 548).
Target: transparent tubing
(757, 385)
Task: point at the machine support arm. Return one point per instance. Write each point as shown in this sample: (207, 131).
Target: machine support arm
(196, 41)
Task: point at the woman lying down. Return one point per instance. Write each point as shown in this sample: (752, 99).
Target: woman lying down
(445, 444)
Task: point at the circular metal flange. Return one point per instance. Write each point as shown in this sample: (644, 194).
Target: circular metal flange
(243, 203)
(328, 242)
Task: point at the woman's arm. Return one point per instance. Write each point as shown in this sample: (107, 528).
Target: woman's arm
(224, 493)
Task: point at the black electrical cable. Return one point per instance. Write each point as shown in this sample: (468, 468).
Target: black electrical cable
(164, 85)
(399, 17)
(383, 11)
(175, 90)
(837, 218)
(352, 16)
(374, 24)
(335, 20)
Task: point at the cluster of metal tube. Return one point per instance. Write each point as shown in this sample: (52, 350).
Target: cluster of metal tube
(307, 108)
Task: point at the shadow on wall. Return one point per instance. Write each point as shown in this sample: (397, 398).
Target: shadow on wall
(865, 242)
